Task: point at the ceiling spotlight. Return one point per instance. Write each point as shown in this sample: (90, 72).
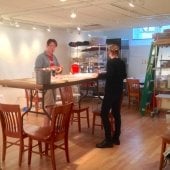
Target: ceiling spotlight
(48, 29)
(17, 24)
(73, 15)
(131, 4)
(63, 0)
(78, 28)
(34, 28)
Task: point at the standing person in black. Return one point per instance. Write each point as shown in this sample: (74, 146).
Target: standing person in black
(116, 72)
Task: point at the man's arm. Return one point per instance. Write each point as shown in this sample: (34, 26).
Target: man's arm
(39, 62)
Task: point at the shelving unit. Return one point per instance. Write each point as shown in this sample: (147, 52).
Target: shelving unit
(162, 77)
(92, 58)
(162, 80)
(157, 79)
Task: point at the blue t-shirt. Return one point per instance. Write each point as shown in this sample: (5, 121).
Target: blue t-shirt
(42, 61)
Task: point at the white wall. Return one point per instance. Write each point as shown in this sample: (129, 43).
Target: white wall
(20, 47)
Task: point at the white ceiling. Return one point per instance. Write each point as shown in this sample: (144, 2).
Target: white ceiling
(91, 14)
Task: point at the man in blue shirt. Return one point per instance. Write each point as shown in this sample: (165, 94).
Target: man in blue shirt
(48, 60)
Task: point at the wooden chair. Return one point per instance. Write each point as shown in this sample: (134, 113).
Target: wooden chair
(12, 127)
(165, 141)
(133, 88)
(96, 113)
(66, 97)
(36, 98)
(50, 135)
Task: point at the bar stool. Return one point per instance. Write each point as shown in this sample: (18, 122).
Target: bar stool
(165, 141)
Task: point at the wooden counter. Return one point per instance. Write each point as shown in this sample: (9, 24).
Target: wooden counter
(58, 81)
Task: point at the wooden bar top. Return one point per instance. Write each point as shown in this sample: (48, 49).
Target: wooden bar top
(58, 81)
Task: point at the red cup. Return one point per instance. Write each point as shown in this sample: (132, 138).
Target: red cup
(75, 68)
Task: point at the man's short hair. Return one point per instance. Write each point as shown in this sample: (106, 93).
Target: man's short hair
(49, 41)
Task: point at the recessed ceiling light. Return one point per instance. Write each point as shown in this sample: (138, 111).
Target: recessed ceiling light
(78, 28)
(63, 0)
(34, 28)
(48, 29)
(73, 14)
(131, 4)
(17, 24)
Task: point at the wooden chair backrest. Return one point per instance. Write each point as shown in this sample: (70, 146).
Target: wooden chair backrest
(133, 87)
(60, 121)
(10, 116)
(66, 94)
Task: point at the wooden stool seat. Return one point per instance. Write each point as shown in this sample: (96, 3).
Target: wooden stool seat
(165, 141)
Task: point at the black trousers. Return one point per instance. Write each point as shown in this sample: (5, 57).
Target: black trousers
(111, 102)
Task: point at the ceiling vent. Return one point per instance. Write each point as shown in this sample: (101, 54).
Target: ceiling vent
(93, 26)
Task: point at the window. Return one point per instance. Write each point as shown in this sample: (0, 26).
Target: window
(147, 32)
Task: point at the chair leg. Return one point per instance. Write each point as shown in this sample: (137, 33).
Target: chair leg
(72, 117)
(162, 156)
(129, 101)
(66, 149)
(79, 121)
(21, 149)
(93, 125)
(4, 148)
(29, 150)
(112, 124)
(36, 107)
(88, 122)
(40, 148)
(46, 148)
(52, 156)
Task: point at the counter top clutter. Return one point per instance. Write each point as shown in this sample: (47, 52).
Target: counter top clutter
(57, 81)
(73, 77)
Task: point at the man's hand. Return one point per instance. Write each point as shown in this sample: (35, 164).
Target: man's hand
(58, 69)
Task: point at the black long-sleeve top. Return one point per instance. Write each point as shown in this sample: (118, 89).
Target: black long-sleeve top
(116, 72)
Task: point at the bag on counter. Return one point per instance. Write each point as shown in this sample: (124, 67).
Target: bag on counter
(43, 76)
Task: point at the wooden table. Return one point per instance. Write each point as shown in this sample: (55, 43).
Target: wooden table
(56, 82)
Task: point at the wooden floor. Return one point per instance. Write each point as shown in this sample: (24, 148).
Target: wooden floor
(139, 149)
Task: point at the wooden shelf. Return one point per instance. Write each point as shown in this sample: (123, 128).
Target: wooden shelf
(95, 48)
(162, 38)
(162, 42)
